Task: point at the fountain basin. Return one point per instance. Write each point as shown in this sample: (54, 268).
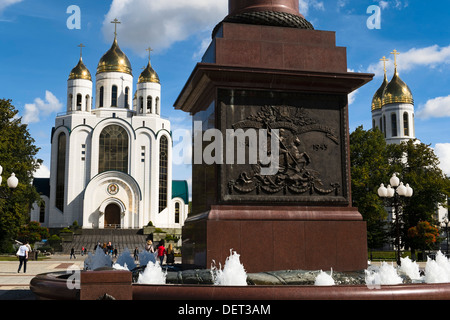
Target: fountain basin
(53, 286)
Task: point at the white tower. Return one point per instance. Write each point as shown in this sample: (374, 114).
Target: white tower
(393, 108)
(114, 79)
(148, 92)
(79, 88)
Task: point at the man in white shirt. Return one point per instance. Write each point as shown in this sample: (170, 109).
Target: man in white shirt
(22, 253)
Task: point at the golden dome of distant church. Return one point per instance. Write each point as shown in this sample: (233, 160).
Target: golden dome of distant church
(397, 91)
(114, 60)
(148, 75)
(80, 71)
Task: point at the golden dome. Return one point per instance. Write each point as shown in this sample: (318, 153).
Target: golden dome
(377, 101)
(397, 91)
(80, 72)
(114, 61)
(148, 75)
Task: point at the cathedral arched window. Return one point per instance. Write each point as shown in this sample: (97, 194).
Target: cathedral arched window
(406, 124)
(394, 124)
(141, 104)
(149, 104)
(42, 212)
(88, 102)
(114, 96)
(113, 149)
(101, 94)
(70, 102)
(60, 172)
(79, 101)
(384, 125)
(157, 105)
(177, 212)
(127, 97)
(163, 166)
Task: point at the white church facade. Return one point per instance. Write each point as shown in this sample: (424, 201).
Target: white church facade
(111, 157)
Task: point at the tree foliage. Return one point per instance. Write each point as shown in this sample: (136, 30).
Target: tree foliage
(423, 235)
(368, 161)
(33, 232)
(17, 155)
(418, 165)
(373, 162)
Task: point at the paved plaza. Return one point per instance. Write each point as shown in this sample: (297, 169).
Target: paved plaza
(16, 286)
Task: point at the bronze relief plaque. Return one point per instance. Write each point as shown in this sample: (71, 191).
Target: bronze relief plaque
(310, 132)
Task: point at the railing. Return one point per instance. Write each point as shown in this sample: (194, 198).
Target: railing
(112, 226)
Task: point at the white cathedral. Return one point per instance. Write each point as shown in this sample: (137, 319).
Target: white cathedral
(111, 159)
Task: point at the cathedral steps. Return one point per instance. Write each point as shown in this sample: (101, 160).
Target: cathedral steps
(120, 238)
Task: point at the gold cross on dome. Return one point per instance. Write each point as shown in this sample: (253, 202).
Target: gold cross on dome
(149, 49)
(395, 53)
(384, 61)
(81, 49)
(116, 22)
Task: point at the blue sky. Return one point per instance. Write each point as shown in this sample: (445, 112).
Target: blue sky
(38, 51)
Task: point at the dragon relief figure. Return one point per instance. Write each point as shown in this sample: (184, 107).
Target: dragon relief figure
(293, 173)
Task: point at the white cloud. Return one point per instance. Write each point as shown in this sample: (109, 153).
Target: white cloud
(159, 24)
(442, 150)
(31, 113)
(34, 110)
(384, 4)
(352, 97)
(6, 3)
(305, 5)
(435, 108)
(42, 172)
(431, 57)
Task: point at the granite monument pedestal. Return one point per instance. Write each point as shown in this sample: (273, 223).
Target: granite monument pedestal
(293, 83)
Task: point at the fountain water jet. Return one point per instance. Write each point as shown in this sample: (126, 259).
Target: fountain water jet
(233, 273)
(324, 279)
(153, 274)
(125, 260)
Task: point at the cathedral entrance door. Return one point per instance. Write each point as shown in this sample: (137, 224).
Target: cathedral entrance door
(112, 216)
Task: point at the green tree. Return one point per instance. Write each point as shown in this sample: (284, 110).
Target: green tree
(418, 166)
(17, 154)
(33, 232)
(373, 162)
(423, 235)
(368, 162)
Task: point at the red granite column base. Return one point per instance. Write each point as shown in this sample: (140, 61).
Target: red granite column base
(278, 238)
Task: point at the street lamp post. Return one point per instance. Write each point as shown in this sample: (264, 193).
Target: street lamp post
(394, 193)
(11, 182)
(445, 223)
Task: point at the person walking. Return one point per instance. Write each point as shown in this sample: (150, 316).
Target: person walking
(22, 253)
(170, 254)
(161, 252)
(149, 246)
(72, 253)
(136, 254)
